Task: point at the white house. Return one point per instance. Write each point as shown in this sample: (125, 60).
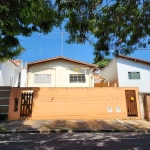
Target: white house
(124, 71)
(10, 73)
(128, 72)
(59, 72)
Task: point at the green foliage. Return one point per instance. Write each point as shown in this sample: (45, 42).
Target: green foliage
(3, 129)
(22, 18)
(121, 25)
(104, 62)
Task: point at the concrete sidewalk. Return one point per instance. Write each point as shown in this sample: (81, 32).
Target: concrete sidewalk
(50, 126)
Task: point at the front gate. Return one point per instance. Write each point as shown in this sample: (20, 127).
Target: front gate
(131, 103)
(26, 104)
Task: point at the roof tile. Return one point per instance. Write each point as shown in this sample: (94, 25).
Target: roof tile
(61, 57)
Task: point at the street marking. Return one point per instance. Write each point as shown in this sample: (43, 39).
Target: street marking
(15, 141)
(122, 138)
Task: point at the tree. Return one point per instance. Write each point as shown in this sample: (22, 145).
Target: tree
(121, 25)
(104, 62)
(22, 17)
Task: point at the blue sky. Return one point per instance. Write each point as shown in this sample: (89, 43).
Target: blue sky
(40, 46)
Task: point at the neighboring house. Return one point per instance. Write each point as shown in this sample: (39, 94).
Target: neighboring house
(124, 71)
(59, 72)
(127, 71)
(10, 73)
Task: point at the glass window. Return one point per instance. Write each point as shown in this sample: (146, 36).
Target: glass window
(42, 79)
(134, 75)
(77, 78)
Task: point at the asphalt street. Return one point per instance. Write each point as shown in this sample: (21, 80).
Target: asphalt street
(75, 141)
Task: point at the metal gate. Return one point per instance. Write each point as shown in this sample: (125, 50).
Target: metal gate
(131, 103)
(26, 104)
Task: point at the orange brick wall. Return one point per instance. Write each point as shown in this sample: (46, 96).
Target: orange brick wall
(77, 103)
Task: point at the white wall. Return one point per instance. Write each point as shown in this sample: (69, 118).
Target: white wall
(1, 77)
(109, 73)
(23, 78)
(60, 70)
(9, 74)
(124, 66)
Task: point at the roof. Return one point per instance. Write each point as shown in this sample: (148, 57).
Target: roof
(60, 58)
(134, 59)
(16, 62)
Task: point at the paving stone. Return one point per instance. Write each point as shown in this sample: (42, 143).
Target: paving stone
(60, 123)
(93, 125)
(29, 122)
(82, 125)
(117, 125)
(104, 125)
(38, 123)
(144, 123)
(134, 125)
(71, 125)
(24, 127)
(15, 123)
(49, 124)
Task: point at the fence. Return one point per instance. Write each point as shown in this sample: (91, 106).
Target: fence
(74, 103)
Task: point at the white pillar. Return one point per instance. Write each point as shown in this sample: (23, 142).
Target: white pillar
(141, 106)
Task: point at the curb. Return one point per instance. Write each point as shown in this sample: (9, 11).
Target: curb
(71, 131)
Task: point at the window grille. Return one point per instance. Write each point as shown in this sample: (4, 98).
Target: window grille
(134, 75)
(77, 78)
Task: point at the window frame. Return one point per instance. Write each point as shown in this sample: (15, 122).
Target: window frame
(77, 78)
(133, 76)
(43, 80)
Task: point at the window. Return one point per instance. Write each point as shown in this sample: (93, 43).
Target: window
(42, 79)
(77, 78)
(134, 75)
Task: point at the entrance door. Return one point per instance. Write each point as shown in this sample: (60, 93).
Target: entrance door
(131, 103)
(26, 104)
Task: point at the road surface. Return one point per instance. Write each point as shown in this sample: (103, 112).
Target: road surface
(75, 141)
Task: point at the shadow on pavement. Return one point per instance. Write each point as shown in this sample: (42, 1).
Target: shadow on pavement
(76, 141)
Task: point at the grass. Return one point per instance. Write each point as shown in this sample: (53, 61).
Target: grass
(2, 129)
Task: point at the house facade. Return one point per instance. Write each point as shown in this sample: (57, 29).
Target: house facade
(59, 72)
(124, 71)
(127, 71)
(10, 73)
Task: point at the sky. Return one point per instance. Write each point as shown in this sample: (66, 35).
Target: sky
(39, 47)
